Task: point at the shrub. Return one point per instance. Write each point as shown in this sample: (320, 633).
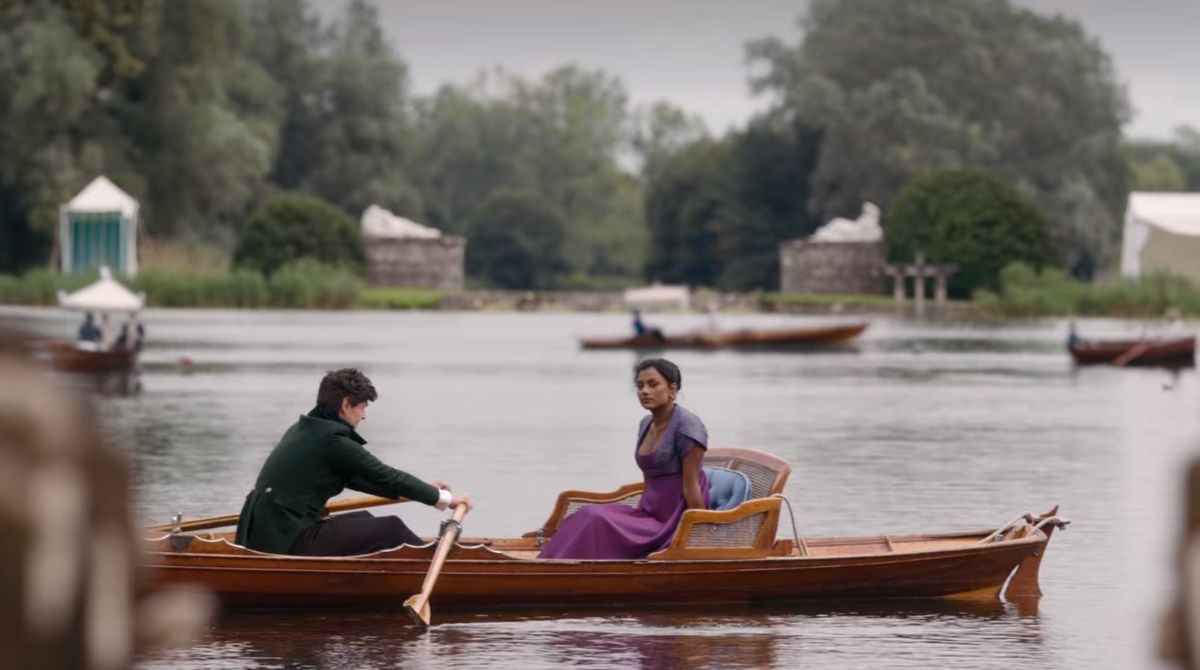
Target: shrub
(242, 288)
(290, 227)
(1025, 292)
(968, 218)
(41, 287)
(310, 284)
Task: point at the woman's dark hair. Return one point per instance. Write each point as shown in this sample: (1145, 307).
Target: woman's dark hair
(667, 369)
(344, 383)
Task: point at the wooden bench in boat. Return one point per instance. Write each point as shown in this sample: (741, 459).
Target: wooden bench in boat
(746, 531)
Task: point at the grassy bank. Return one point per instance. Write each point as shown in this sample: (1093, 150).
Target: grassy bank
(1051, 292)
(304, 285)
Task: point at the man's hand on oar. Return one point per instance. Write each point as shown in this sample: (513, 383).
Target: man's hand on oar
(418, 605)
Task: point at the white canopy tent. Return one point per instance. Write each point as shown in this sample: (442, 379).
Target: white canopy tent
(1162, 234)
(104, 295)
(658, 296)
(99, 227)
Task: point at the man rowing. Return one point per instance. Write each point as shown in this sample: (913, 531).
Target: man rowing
(316, 459)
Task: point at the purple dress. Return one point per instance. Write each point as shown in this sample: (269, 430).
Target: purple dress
(619, 531)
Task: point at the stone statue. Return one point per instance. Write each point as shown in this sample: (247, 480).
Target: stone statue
(863, 229)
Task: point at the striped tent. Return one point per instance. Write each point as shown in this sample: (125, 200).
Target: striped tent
(99, 227)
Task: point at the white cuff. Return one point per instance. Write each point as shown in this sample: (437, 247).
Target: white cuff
(444, 497)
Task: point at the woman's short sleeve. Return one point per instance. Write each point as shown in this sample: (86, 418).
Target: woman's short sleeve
(690, 434)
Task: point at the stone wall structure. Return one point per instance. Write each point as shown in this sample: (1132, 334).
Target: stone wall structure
(806, 266)
(434, 263)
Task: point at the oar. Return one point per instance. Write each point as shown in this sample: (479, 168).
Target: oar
(418, 605)
(1130, 354)
(346, 505)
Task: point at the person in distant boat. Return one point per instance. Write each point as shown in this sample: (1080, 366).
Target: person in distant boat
(640, 329)
(318, 457)
(670, 452)
(1073, 339)
(88, 332)
(133, 333)
(1174, 319)
(712, 325)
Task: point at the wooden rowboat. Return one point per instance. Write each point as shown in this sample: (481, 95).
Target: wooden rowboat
(734, 338)
(1180, 351)
(66, 357)
(716, 557)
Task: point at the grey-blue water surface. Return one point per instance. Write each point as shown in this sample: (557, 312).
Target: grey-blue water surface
(921, 425)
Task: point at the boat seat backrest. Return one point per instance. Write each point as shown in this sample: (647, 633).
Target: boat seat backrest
(768, 473)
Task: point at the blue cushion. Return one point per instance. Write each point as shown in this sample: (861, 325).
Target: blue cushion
(726, 488)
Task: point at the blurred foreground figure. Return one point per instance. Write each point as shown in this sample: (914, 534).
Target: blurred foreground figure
(69, 590)
(1180, 641)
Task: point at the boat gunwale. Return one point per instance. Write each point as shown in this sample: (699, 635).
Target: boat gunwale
(354, 562)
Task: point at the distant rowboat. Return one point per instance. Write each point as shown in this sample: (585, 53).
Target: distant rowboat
(1178, 351)
(67, 357)
(748, 338)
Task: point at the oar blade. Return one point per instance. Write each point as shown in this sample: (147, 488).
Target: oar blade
(418, 608)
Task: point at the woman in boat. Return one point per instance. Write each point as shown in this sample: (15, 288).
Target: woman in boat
(319, 457)
(670, 452)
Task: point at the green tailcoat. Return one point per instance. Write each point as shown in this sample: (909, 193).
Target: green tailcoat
(315, 460)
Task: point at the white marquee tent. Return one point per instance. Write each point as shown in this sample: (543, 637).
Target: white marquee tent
(1162, 234)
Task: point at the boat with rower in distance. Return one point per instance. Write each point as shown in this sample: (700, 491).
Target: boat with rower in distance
(1167, 351)
(742, 338)
(730, 556)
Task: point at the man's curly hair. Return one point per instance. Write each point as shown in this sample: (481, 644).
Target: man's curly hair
(345, 383)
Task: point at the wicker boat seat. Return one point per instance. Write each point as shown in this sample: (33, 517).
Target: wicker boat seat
(744, 531)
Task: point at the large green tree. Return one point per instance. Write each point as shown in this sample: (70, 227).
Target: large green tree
(517, 241)
(901, 89)
(660, 130)
(62, 121)
(689, 200)
(717, 211)
(560, 137)
(285, 42)
(347, 130)
(1166, 165)
(971, 219)
(211, 118)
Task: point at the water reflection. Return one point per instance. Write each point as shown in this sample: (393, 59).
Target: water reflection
(780, 635)
(114, 384)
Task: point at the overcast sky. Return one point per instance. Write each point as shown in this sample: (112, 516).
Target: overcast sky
(690, 52)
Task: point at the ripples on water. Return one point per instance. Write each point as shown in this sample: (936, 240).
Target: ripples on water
(919, 426)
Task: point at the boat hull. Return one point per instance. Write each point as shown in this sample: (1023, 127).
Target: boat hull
(477, 577)
(1176, 351)
(747, 338)
(65, 357)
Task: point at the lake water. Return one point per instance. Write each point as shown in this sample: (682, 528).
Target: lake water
(921, 426)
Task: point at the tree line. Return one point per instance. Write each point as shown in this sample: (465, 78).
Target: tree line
(207, 109)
